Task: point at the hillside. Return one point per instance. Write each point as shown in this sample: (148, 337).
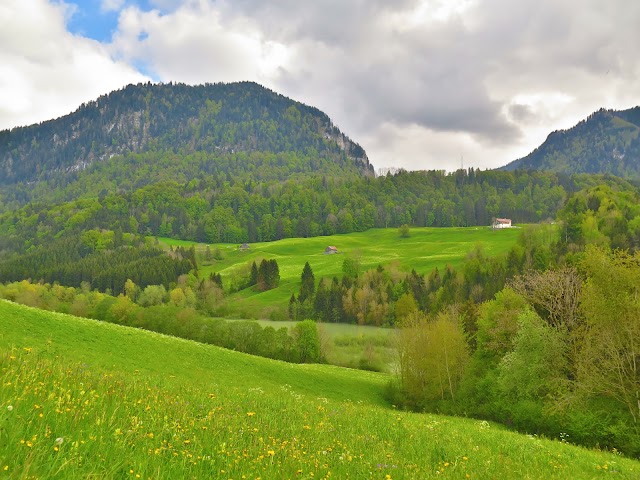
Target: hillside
(608, 141)
(216, 120)
(424, 250)
(80, 398)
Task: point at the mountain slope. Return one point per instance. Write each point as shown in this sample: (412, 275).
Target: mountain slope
(214, 119)
(608, 141)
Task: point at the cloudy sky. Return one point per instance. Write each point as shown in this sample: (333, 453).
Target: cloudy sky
(420, 84)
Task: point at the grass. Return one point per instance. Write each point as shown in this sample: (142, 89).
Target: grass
(81, 399)
(425, 249)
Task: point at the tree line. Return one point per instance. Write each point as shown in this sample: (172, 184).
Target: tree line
(179, 311)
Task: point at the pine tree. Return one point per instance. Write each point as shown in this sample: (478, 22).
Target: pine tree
(308, 283)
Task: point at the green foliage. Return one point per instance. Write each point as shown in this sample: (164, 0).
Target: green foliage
(534, 367)
(608, 360)
(433, 355)
(404, 231)
(307, 342)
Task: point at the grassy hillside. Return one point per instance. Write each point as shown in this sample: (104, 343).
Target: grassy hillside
(425, 249)
(80, 399)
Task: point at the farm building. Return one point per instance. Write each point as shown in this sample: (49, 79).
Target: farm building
(330, 250)
(244, 246)
(502, 223)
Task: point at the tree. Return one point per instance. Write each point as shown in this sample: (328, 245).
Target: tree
(351, 267)
(253, 279)
(534, 368)
(152, 295)
(555, 295)
(404, 231)
(405, 306)
(433, 354)
(308, 283)
(307, 341)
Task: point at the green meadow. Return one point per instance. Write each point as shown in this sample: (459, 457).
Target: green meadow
(425, 249)
(85, 399)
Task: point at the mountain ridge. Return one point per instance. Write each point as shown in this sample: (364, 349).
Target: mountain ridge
(216, 118)
(607, 141)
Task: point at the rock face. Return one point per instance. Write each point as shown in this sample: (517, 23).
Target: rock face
(213, 118)
(608, 141)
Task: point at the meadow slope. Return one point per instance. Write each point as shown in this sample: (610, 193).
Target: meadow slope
(425, 249)
(80, 398)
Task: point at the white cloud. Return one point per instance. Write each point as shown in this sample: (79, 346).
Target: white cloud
(45, 71)
(111, 5)
(194, 44)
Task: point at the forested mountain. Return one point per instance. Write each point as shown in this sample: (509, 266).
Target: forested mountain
(214, 123)
(608, 141)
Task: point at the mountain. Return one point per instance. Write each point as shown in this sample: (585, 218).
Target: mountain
(215, 120)
(608, 141)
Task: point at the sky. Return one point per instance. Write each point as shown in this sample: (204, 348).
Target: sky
(420, 84)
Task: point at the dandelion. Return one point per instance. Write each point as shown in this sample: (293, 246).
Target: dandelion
(250, 414)
(10, 407)
(271, 453)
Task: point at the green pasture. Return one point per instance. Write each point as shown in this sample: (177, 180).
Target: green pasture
(425, 249)
(83, 399)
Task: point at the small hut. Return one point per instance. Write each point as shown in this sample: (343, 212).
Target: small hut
(330, 250)
(502, 223)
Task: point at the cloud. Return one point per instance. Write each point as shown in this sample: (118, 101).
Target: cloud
(111, 5)
(416, 82)
(45, 71)
(194, 45)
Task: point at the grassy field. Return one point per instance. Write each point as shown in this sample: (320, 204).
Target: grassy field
(425, 249)
(83, 399)
(353, 346)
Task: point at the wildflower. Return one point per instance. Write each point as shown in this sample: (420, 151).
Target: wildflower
(59, 440)
(9, 407)
(271, 453)
(250, 414)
